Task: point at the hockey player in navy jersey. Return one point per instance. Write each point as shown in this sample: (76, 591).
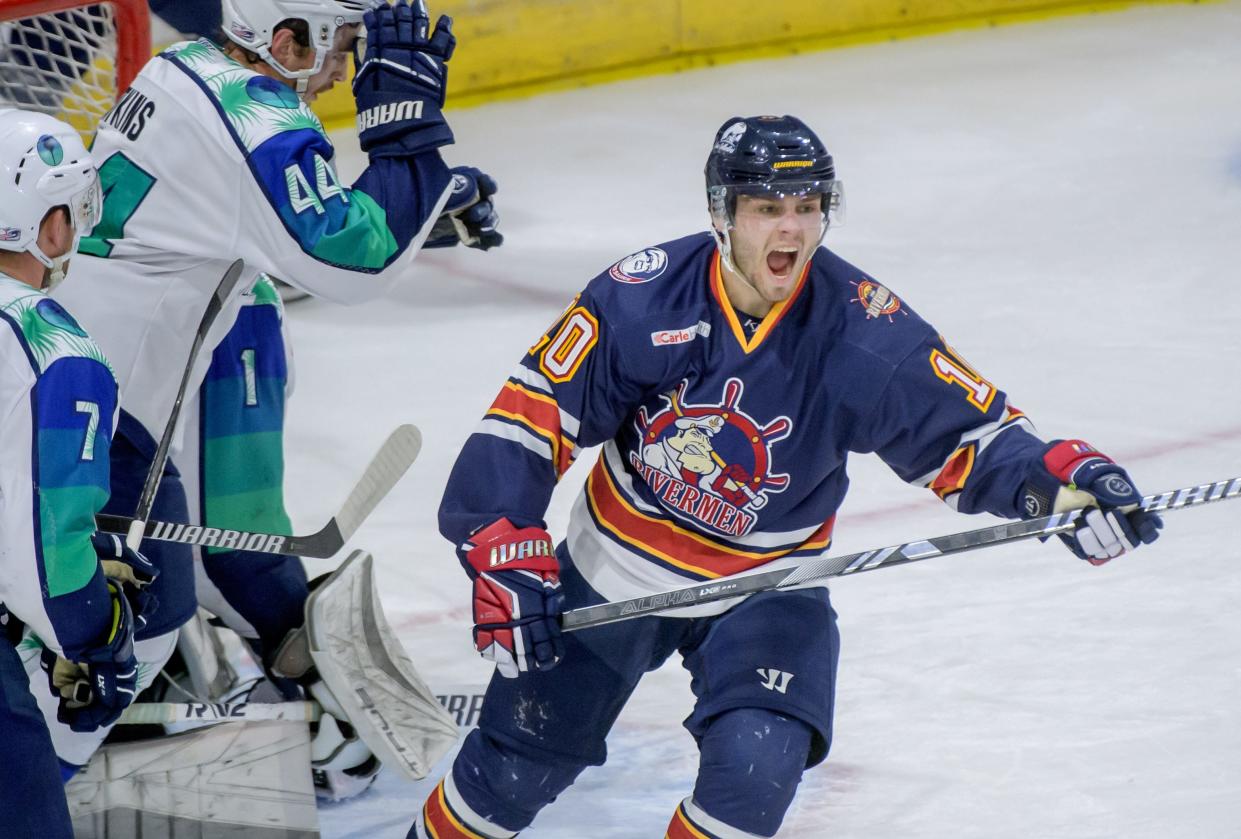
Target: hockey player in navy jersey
(58, 398)
(728, 375)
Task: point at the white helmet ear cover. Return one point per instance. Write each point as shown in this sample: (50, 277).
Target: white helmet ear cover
(43, 164)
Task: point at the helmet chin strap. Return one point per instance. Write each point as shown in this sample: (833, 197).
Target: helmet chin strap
(724, 240)
(54, 274)
(301, 78)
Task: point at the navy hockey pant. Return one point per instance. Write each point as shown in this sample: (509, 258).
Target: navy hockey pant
(32, 797)
(775, 652)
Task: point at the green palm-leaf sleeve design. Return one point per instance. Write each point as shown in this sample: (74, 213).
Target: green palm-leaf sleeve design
(40, 335)
(235, 100)
(299, 120)
(196, 52)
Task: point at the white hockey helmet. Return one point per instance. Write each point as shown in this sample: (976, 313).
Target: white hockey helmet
(43, 164)
(252, 24)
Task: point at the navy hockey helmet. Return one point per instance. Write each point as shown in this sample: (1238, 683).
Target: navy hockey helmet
(770, 155)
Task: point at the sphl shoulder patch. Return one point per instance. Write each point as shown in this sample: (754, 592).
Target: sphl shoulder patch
(640, 267)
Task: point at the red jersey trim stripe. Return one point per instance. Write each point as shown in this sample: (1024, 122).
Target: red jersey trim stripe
(540, 414)
(682, 828)
(772, 318)
(955, 473)
(675, 545)
(960, 465)
(441, 821)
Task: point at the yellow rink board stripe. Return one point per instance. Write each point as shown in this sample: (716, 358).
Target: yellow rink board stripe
(514, 48)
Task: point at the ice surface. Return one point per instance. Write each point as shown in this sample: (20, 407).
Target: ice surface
(1063, 200)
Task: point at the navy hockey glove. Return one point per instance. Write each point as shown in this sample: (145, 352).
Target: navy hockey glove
(94, 691)
(133, 570)
(1072, 475)
(517, 598)
(470, 216)
(401, 81)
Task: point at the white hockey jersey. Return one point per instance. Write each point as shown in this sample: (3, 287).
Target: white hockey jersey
(58, 408)
(204, 161)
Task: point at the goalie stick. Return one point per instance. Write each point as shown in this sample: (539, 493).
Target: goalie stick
(386, 468)
(134, 531)
(148, 713)
(827, 567)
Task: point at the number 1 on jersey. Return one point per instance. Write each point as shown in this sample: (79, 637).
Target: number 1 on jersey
(247, 366)
(952, 369)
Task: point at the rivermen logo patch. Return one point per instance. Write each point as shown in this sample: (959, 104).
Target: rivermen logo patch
(641, 267)
(710, 464)
(878, 300)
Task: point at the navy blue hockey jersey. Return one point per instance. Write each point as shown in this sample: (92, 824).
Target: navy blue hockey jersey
(725, 438)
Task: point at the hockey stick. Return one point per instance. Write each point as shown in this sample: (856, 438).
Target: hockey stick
(464, 702)
(149, 713)
(386, 468)
(822, 569)
(134, 532)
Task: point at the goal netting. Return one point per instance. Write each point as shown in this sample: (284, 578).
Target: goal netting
(70, 59)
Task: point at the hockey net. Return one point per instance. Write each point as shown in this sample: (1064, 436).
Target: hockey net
(71, 59)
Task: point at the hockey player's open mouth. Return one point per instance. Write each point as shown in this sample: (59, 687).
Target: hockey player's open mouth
(780, 261)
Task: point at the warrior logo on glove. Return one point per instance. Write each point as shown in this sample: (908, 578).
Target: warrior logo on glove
(511, 552)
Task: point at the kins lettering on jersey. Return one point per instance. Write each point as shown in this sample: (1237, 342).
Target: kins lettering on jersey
(130, 114)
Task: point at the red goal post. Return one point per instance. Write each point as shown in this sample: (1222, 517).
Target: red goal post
(71, 58)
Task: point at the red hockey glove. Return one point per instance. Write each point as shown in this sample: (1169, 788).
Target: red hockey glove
(517, 598)
(1072, 475)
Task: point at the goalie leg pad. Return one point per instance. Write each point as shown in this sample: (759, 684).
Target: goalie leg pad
(375, 684)
(245, 779)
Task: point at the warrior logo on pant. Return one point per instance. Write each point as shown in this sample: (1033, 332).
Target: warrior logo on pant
(710, 464)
